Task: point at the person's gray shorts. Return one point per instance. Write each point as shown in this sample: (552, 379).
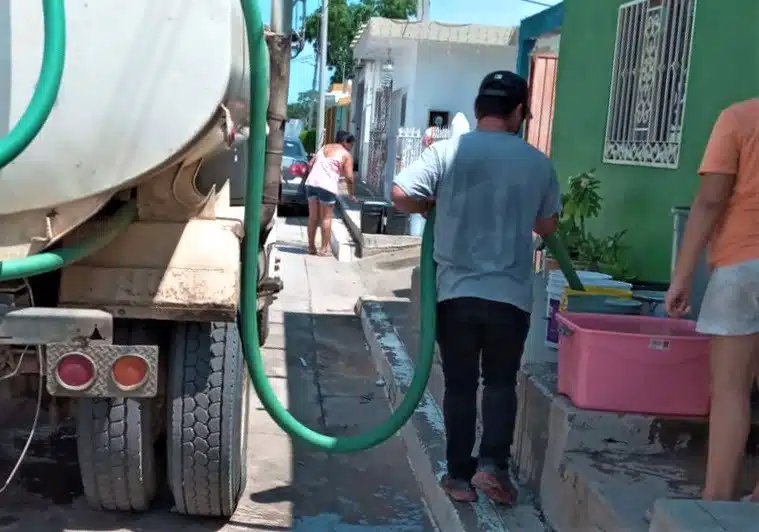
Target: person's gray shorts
(731, 302)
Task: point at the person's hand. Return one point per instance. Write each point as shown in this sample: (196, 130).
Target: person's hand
(677, 300)
(352, 197)
(427, 205)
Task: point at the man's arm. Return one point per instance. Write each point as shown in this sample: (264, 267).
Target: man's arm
(414, 188)
(547, 220)
(718, 171)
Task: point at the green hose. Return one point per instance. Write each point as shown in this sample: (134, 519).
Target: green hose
(48, 84)
(27, 128)
(560, 253)
(49, 261)
(248, 325)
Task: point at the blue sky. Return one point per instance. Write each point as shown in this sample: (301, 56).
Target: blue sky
(492, 12)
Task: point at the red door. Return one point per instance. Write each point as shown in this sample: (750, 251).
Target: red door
(542, 97)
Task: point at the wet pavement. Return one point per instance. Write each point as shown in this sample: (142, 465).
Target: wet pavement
(321, 368)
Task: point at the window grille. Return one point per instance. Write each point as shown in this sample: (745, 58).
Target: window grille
(649, 83)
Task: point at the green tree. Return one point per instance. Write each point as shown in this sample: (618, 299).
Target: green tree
(345, 18)
(308, 139)
(304, 107)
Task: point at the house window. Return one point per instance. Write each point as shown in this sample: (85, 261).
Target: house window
(438, 119)
(649, 83)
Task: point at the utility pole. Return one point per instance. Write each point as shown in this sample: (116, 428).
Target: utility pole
(323, 37)
(279, 43)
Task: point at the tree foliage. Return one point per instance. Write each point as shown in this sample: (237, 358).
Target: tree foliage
(344, 19)
(304, 107)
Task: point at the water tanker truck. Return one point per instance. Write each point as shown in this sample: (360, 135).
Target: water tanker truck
(133, 340)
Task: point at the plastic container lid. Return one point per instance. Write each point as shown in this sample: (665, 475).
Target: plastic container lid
(650, 295)
(622, 302)
(558, 277)
(610, 283)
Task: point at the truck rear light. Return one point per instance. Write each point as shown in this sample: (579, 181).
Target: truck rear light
(75, 371)
(298, 169)
(129, 372)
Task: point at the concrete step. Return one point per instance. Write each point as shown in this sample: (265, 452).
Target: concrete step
(604, 470)
(343, 247)
(371, 245)
(702, 516)
(424, 435)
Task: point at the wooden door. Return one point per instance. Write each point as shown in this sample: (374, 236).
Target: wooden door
(542, 99)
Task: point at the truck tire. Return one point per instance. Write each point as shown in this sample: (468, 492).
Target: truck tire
(208, 393)
(115, 442)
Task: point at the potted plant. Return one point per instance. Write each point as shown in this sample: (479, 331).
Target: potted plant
(606, 255)
(580, 203)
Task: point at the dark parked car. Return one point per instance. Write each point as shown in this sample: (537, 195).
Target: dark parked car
(294, 171)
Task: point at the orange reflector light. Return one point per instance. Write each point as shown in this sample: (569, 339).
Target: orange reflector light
(129, 372)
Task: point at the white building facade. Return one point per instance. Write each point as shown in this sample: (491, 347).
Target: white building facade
(415, 74)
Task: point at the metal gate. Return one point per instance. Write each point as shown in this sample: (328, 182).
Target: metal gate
(410, 144)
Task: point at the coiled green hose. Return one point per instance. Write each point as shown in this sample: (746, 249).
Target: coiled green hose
(248, 325)
(24, 132)
(48, 84)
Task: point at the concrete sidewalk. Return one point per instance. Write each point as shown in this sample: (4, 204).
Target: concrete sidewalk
(590, 471)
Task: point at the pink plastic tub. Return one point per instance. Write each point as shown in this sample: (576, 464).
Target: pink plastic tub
(633, 364)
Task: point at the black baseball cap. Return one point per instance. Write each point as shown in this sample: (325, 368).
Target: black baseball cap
(505, 84)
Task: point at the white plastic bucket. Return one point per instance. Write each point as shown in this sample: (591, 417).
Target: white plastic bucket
(557, 283)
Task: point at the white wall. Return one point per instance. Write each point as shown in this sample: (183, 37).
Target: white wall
(448, 75)
(434, 76)
(405, 71)
(404, 61)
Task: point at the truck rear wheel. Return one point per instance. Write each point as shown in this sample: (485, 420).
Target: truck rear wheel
(115, 442)
(208, 391)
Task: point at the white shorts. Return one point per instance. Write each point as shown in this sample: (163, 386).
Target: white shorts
(731, 302)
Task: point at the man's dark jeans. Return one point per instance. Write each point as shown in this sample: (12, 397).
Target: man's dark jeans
(467, 328)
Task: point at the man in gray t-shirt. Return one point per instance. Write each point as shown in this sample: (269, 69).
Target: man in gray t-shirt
(491, 190)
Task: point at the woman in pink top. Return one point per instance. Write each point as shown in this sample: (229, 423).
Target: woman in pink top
(326, 167)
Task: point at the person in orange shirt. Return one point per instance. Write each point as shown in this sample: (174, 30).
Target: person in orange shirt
(725, 217)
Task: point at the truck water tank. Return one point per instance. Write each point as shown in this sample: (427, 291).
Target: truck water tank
(142, 86)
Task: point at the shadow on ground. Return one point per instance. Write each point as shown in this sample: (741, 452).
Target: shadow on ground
(293, 215)
(333, 389)
(296, 250)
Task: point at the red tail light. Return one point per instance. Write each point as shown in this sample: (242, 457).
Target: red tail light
(298, 169)
(75, 371)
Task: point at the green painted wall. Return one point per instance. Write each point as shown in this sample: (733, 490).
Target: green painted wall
(724, 69)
